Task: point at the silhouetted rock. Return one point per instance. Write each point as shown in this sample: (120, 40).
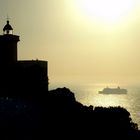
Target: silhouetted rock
(60, 114)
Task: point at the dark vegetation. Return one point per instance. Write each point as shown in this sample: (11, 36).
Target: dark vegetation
(57, 115)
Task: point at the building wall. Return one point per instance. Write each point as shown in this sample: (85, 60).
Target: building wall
(8, 48)
(25, 79)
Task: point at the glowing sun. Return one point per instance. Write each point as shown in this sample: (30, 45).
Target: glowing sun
(106, 10)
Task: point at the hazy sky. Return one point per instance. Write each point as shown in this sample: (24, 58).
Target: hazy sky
(83, 40)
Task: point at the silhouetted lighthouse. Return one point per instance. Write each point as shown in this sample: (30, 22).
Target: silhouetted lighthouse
(8, 45)
(20, 78)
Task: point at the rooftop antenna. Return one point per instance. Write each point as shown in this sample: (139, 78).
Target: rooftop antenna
(8, 17)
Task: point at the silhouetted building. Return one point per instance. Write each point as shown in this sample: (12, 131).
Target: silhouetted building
(8, 45)
(19, 78)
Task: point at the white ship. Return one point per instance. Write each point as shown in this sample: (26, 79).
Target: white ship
(117, 90)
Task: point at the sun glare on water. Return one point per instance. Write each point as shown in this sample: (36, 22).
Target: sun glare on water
(106, 10)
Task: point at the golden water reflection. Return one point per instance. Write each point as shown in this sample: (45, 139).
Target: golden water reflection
(88, 95)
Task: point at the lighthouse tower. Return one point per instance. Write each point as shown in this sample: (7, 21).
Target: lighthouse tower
(8, 45)
(20, 78)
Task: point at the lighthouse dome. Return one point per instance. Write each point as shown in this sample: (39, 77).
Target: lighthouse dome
(7, 28)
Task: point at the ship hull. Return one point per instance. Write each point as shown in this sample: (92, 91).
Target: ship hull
(113, 91)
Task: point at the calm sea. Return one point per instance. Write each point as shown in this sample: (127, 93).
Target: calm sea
(88, 95)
